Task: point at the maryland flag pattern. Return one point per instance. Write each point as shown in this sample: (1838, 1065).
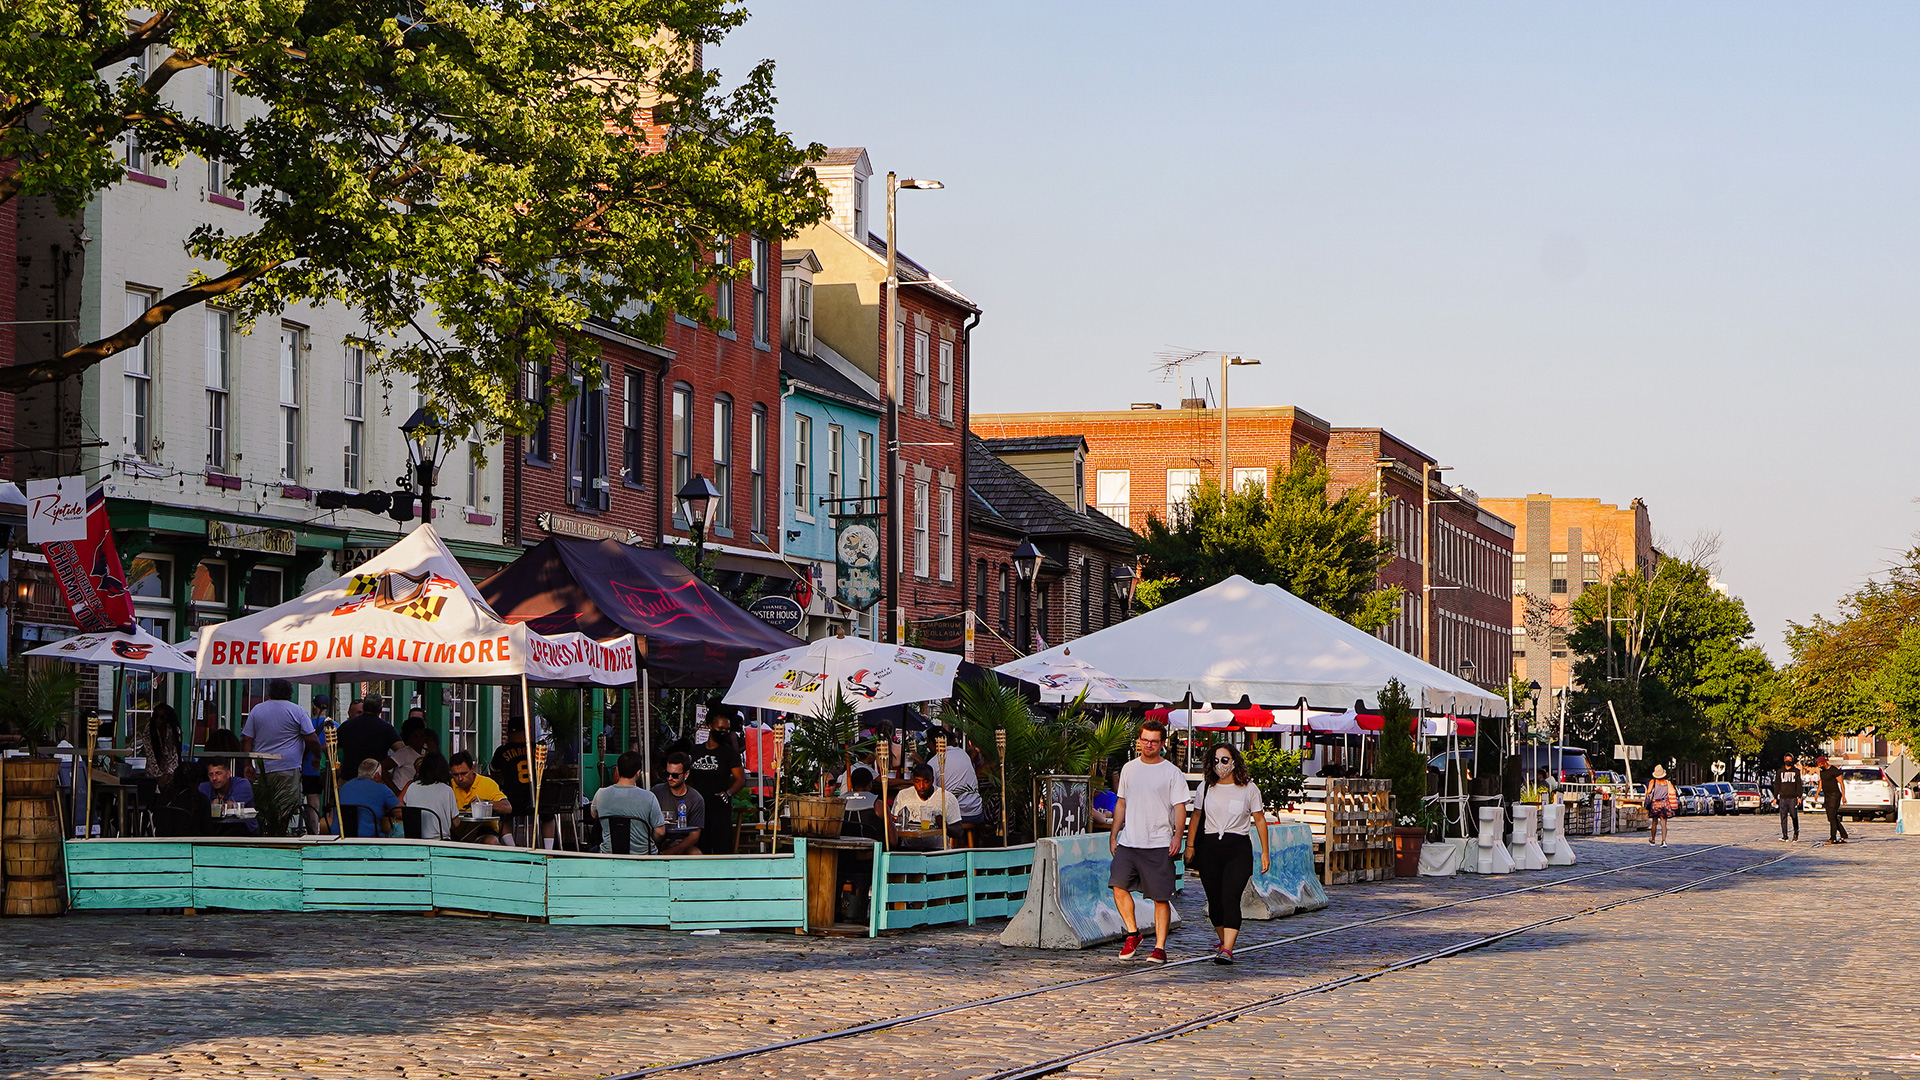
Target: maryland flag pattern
(411, 595)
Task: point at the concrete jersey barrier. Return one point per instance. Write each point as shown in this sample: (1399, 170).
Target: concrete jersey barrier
(1069, 904)
(1290, 884)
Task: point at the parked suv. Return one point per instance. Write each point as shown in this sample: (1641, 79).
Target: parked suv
(1867, 791)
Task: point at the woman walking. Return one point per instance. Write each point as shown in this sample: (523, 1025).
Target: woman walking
(1218, 845)
(1663, 801)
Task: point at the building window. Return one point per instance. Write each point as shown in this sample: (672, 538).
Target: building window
(921, 343)
(722, 515)
(463, 718)
(759, 291)
(920, 547)
(980, 589)
(835, 466)
(219, 369)
(1086, 596)
(798, 315)
(865, 465)
(1558, 582)
(757, 469)
(356, 416)
(141, 69)
(946, 533)
(1519, 573)
(1589, 567)
(682, 444)
(265, 588)
(946, 381)
(476, 478)
(1006, 606)
(216, 117)
(1248, 478)
(538, 448)
(1110, 491)
(632, 449)
(803, 466)
(293, 347)
(1179, 483)
(860, 209)
(138, 384)
(723, 286)
(587, 486)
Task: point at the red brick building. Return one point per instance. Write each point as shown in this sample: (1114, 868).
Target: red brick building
(1141, 461)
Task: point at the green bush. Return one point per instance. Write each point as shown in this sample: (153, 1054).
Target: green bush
(1278, 772)
(1400, 759)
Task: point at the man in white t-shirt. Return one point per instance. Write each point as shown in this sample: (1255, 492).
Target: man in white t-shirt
(1149, 825)
(279, 728)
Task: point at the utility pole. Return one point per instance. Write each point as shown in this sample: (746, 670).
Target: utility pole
(1226, 471)
(1427, 503)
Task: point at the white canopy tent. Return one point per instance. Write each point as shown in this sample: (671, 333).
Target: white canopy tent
(1242, 639)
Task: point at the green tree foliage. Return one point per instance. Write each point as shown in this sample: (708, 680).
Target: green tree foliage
(1400, 758)
(1075, 743)
(1279, 773)
(1677, 664)
(478, 179)
(1290, 533)
(1859, 671)
(37, 703)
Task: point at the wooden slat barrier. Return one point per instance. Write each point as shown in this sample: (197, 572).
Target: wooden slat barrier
(1352, 824)
(936, 888)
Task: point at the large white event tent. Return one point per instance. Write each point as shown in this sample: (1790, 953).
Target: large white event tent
(410, 612)
(1243, 639)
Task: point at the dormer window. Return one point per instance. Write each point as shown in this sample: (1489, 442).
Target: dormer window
(1079, 481)
(797, 267)
(860, 208)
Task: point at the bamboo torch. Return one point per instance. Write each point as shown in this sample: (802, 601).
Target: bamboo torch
(333, 771)
(1000, 749)
(539, 770)
(940, 755)
(85, 760)
(779, 752)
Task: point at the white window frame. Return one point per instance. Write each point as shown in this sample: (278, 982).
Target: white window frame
(1113, 493)
(218, 87)
(920, 544)
(1181, 481)
(1242, 477)
(293, 341)
(761, 306)
(864, 467)
(476, 478)
(922, 344)
(354, 385)
(141, 68)
(803, 317)
(836, 464)
(757, 469)
(946, 532)
(802, 466)
(723, 285)
(137, 385)
(946, 380)
(721, 517)
(680, 442)
(220, 341)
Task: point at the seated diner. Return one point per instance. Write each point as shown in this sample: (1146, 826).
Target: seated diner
(368, 807)
(229, 797)
(432, 792)
(921, 812)
(476, 825)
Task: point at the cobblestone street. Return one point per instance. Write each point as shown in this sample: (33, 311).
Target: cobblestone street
(1805, 967)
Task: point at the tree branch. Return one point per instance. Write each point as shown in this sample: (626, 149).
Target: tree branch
(81, 357)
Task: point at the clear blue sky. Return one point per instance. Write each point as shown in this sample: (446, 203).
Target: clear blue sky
(1613, 250)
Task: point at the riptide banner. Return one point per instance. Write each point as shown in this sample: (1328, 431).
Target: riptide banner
(88, 569)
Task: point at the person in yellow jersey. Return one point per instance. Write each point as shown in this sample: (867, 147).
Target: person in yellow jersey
(469, 785)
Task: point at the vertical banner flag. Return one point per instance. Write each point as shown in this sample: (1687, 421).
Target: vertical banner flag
(88, 570)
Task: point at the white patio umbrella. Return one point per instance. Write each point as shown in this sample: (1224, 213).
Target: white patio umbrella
(870, 674)
(1065, 677)
(127, 649)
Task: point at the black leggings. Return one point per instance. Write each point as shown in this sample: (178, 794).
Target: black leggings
(1225, 863)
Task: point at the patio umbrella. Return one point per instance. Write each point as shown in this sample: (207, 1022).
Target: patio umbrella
(122, 648)
(869, 674)
(1065, 677)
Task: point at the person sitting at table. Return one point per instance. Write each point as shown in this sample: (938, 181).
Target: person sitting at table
(469, 785)
(222, 787)
(367, 803)
(684, 809)
(923, 809)
(432, 791)
(859, 790)
(417, 742)
(863, 813)
(180, 809)
(367, 735)
(625, 798)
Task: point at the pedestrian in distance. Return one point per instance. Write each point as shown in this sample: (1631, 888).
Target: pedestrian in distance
(1830, 798)
(1149, 822)
(1787, 790)
(1222, 813)
(1663, 801)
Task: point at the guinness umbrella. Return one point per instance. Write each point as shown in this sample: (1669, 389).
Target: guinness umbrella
(869, 674)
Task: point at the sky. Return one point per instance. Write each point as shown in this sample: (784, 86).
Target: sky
(1663, 251)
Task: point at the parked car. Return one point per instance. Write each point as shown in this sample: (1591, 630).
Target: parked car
(1694, 802)
(1769, 802)
(1725, 799)
(1747, 800)
(1867, 791)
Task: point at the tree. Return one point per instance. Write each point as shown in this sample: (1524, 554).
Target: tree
(1400, 758)
(1675, 662)
(479, 179)
(1291, 534)
(1861, 670)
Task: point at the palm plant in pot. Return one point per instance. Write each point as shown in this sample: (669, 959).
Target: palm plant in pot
(35, 704)
(821, 748)
(1074, 743)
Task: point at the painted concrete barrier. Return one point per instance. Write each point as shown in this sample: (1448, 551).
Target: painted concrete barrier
(1524, 845)
(1289, 885)
(1069, 904)
(1553, 835)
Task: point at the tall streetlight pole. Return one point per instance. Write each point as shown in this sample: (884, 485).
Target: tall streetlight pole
(1226, 472)
(893, 337)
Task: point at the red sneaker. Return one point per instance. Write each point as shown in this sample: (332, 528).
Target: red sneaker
(1157, 956)
(1130, 948)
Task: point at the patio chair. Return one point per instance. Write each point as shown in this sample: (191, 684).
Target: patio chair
(413, 828)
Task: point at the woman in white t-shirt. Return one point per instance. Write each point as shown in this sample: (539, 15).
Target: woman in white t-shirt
(1224, 811)
(432, 791)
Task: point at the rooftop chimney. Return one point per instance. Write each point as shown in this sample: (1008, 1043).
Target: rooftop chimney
(1141, 406)
(1193, 403)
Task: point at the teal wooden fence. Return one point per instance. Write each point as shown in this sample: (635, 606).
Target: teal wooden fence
(934, 888)
(681, 893)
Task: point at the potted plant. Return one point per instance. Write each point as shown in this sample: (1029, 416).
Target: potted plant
(1400, 762)
(821, 748)
(1074, 743)
(35, 704)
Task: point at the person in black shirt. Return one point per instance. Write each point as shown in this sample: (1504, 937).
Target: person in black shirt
(1830, 798)
(1787, 792)
(367, 736)
(717, 773)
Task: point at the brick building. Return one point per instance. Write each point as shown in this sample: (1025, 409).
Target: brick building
(1563, 546)
(1142, 460)
(925, 544)
(1032, 489)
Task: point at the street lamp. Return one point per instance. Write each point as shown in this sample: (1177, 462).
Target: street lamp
(695, 497)
(1026, 566)
(1226, 473)
(1427, 470)
(1467, 668)
(892, 382)
(427, 444)
(1122, 581)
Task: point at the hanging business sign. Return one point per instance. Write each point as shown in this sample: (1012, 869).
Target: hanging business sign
(225, 534)
(562, 525)
(780, 612)
(56, 509)
(856, 549)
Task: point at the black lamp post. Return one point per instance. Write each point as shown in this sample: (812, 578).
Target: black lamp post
(427, 443)
(1122, 581)
(695, 497)
(1026, 565)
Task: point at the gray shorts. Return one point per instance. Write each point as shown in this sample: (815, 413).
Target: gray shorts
(1147, 871)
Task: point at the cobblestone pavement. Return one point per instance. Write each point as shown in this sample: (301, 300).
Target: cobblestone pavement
(1806, 967)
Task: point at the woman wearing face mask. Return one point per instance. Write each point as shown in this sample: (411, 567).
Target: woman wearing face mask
(1225, 811)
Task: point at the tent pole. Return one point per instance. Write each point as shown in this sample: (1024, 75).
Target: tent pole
(646, 728)
(526, 721)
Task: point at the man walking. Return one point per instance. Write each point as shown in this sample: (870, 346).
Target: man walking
(1149, 823)
(1786, 791)
(1830, 798)
(282, 729)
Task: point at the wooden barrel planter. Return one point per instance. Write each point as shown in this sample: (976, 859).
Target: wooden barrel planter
(814, 815)
(30, 838)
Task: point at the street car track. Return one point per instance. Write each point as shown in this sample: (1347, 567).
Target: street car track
(890, 1023)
